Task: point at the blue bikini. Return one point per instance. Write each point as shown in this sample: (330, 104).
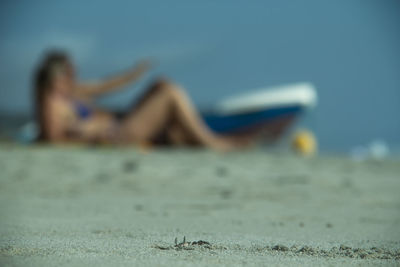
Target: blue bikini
(82, 110)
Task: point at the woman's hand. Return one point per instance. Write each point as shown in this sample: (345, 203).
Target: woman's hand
(144, 65)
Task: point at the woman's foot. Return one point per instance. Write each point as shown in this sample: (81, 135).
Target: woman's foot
(226, 144)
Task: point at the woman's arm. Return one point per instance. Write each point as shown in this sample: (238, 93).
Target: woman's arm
(89, 90)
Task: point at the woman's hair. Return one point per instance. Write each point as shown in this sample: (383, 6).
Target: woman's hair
(51, 63)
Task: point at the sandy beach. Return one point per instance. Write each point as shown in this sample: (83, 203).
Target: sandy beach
(122, 207)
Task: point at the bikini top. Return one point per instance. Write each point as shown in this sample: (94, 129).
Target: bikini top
(82, 110)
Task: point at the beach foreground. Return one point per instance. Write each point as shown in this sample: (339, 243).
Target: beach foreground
(122, 207)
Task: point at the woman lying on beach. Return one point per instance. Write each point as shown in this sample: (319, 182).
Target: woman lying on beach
(66, 114)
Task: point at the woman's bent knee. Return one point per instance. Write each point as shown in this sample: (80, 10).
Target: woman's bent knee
(170, 88)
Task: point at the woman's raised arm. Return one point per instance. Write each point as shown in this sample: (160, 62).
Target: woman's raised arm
(94, 89)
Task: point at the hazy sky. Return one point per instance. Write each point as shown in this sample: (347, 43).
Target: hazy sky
(349, 49)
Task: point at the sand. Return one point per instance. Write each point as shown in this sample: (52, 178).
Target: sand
(122, 207)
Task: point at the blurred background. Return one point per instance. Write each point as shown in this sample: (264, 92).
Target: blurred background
(348, 49)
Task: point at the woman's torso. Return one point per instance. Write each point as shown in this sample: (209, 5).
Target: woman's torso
(79, 119)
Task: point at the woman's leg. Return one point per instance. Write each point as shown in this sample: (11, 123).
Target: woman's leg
(165, 105)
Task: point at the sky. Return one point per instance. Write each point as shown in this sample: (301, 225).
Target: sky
(349, 49)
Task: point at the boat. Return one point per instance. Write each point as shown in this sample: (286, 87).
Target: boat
(270, 110)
